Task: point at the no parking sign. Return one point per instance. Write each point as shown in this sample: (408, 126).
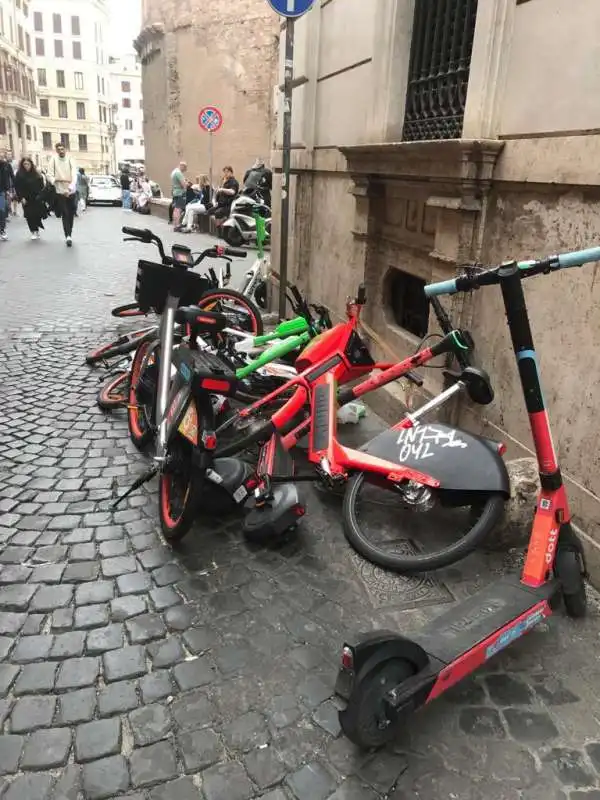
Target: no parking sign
(210, 119)
(291, 8)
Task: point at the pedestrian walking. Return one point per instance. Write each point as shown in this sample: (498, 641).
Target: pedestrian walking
(62, 172)
(83, 190)
(126, 190)
(28, 190)
(178, 192)
(6, 187)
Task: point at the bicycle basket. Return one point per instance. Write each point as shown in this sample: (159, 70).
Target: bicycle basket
(155, 281)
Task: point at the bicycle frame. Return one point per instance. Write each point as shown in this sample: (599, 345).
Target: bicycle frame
(334, 461)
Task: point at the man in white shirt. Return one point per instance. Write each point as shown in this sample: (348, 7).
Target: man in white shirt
(62, 172)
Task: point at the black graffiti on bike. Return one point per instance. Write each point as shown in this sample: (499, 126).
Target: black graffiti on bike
(421, 441)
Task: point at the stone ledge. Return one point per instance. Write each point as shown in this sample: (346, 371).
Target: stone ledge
(445, 160)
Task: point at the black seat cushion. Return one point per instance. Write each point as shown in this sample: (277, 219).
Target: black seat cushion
(209, 321)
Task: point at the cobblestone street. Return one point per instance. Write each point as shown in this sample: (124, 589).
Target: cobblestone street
(128, 669)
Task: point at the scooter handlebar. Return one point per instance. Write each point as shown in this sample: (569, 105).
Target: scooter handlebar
(465, 283)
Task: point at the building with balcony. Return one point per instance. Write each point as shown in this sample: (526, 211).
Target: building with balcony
(196, 54)
(432, 133)
(70, 46)
(128, 108)
(19, 131)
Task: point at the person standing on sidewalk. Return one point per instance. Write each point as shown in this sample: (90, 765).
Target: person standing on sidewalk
(126, 190)
(62, 172)
(178, 193)
(28, 188)
(6, 187)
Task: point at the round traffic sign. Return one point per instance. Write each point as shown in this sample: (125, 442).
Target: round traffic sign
(210, 119)
(291, 8)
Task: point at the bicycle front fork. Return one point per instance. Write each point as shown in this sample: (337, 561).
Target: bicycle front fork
(167, 328)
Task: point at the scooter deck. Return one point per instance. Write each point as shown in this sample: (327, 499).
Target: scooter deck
(454, 644)
(482, 615)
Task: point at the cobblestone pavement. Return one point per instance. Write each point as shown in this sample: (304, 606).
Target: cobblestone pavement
(131, 670)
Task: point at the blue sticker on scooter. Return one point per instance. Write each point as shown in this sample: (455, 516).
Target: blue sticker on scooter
(514, 633)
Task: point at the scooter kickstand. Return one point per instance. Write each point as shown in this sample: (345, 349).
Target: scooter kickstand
(147, 476)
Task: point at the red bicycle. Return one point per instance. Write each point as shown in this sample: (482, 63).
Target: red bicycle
(419, 468)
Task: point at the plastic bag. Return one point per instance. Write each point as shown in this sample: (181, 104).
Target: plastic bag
(351, 413)
(81, 205)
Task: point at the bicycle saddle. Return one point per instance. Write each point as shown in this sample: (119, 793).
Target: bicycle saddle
(208, 321)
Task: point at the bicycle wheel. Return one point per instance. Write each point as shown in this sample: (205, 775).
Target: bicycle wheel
(142, 394)
(242, 312)
(179, 490)
(128, 310)
(435, 534)
(121, 346)
(113, 394)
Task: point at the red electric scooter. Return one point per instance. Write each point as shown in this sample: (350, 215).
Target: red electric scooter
(386, 675)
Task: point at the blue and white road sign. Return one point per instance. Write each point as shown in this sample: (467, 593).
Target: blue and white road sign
(210, 119)
(291, 8)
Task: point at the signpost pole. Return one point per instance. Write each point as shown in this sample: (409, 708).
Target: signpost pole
(287, 156)
(210, 120)
(210, 162)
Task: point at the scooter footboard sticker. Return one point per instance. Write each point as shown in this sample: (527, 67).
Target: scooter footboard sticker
(516, 631)
(321, 402)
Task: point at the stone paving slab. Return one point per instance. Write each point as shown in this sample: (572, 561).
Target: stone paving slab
(128, 669)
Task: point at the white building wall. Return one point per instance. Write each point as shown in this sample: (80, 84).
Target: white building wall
(18, 106)
(84, 40)
(126, 95)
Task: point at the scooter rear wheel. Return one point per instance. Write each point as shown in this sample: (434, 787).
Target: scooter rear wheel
(366, 721)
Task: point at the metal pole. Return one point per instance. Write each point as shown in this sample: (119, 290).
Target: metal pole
(210, 162)
(287, 153)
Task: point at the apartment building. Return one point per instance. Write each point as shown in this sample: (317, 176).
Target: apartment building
(70, 48)
(19, 130)
(126, 96)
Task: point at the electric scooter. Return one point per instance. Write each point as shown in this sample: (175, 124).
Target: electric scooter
(387, 675)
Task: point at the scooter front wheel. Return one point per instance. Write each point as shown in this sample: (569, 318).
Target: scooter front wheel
(569, 570)
(233, 237)
(367, 720)
(443, 534)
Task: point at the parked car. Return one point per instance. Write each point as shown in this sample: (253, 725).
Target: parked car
(104, 189)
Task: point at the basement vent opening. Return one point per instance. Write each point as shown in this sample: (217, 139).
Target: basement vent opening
(406, 298)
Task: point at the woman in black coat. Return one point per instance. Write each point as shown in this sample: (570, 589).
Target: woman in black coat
(28, 187)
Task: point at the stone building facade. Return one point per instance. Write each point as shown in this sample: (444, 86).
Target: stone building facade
(196, 54)
(427, 135)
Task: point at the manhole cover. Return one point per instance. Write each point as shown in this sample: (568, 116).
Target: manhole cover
(387, 589)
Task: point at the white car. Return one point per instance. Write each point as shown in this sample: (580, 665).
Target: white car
(104, 189)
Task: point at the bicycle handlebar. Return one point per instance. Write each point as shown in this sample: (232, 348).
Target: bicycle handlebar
(464, 283)
(145, 235)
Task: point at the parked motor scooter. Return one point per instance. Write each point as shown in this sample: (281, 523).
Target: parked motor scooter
(240, 227)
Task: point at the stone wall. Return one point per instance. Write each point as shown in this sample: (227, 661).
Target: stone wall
(195, 54)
